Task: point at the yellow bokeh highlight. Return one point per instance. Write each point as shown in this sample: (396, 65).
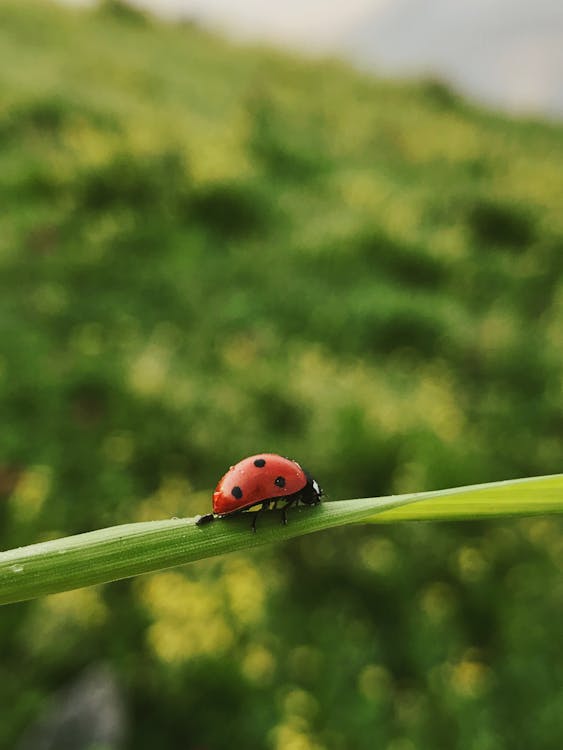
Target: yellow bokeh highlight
(436, 403)
(378, 555)
(64, 616)
(470, 678)
(471, 563)
(374, 683)
(220, 160)
(258, 665)
(245, 590)
(118, 447)
(437, 601)
(190, 618)
(208, 615)
(149, 370)
(83, 607)
(289, 737)
(31, 491)
(300, 703)
(173, 498)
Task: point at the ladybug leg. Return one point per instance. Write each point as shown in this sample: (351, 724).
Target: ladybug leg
(288, 504)
(202, 520)
(265, 505)
(253, 525)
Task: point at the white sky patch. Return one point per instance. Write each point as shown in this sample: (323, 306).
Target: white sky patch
(294, 22)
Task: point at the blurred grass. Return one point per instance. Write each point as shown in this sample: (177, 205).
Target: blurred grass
(209, 250)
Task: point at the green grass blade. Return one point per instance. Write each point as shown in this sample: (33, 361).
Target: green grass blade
(514, 497)
(123, 551)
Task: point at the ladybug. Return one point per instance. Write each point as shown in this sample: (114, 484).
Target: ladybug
(264, 479)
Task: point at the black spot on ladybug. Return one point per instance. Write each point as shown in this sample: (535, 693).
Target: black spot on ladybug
(260, 463)
(236, 492)
(279, 482)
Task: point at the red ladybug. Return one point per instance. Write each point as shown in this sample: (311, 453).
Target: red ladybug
(264, 479)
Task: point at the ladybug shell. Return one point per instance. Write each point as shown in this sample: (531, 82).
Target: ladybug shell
(255, 479)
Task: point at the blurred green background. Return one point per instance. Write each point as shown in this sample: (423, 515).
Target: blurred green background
(208, 251)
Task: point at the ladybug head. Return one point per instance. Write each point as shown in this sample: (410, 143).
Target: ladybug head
(312, 493)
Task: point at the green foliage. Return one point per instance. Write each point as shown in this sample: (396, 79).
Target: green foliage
(208, 251)
(496, 224)
(122, 12)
